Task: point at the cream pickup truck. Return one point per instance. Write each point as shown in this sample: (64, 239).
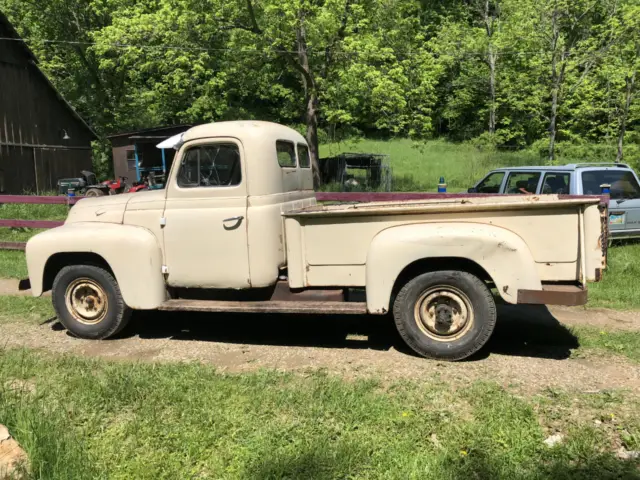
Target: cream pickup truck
(238, 229)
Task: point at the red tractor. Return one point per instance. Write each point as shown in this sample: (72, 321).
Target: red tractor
(88, 186)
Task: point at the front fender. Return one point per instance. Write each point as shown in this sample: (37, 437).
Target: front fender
(501, 253)
(132, 252)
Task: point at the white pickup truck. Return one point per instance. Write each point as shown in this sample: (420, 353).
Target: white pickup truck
(237, 229)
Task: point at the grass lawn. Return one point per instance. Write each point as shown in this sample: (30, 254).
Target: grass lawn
(28, 212)
(618, 288)
(80, 419)
(12, 264)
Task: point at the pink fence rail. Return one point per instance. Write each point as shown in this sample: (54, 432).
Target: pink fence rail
(352, 197)
(39, 200)
(31, 200)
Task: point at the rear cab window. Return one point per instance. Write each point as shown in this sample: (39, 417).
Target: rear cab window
(303, 156)
(624, 184)
(523, 182)
(286, 154)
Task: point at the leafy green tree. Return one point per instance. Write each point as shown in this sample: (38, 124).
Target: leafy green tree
(621, 67)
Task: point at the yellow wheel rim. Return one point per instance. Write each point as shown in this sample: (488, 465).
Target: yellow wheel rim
(87, 301)
(444, 313)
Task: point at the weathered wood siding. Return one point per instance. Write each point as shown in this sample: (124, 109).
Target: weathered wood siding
(33, 121)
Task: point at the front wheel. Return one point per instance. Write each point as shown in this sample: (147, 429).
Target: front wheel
(88, 302)
(446, 315)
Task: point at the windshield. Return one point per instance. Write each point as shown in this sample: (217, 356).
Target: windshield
(623, 183)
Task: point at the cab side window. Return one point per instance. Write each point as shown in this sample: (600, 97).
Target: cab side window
(216, 165)
(491, 184)
(286, 154)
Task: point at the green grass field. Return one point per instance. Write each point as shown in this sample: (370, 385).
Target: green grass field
(618, 288)
(80, 419)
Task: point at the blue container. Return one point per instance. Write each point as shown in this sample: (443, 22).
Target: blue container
(71, 192)
(606, 189)
(442, 186)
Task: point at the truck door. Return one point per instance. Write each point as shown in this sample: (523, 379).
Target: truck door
(205, 232)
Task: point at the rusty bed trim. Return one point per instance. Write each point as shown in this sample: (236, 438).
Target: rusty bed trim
(457, 205)
(553, 296)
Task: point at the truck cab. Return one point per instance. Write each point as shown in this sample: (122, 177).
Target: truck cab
(237, 229)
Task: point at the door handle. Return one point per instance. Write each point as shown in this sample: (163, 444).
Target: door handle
(233, 219)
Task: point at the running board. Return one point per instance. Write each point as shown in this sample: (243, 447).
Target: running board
(554, 294)
(185, 305)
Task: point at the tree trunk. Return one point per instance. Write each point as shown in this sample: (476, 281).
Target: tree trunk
(492, 90)
(311, 99)
(489, 17)
(312, 136)
(552, 124)
(555, 84)
(555, 103)
(630, 83)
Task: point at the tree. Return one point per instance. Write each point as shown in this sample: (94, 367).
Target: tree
(523, 72)
(622, 65)
(307, 35)
(490, 13)
(568, 25)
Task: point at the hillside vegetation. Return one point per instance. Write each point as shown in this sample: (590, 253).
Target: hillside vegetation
(549, 75)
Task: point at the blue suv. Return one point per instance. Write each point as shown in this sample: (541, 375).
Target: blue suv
(576, 179)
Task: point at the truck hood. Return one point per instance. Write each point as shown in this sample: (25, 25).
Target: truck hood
(107, 209)
(110, 209)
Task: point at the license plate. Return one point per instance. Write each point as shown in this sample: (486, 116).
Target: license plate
(616, 219)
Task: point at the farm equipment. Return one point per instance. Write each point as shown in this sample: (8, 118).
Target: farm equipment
(88, 186)
(357, 172)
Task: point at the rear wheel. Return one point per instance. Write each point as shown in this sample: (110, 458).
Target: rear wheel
(94, 192)
(446, 315)
(88, 302)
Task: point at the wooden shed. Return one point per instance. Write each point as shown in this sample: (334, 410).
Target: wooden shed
(42, 138)
(135, 153)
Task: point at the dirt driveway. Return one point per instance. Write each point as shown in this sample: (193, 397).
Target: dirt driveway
(530, 349)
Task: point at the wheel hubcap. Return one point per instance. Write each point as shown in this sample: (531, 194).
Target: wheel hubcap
(87, 301)
(443, 313)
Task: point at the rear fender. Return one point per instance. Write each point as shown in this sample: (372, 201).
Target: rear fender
(501, 253)
(132, 253)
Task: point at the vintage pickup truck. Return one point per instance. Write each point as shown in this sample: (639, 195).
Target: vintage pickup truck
(237, 229)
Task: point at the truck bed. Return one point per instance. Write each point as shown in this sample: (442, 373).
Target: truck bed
(565, 235)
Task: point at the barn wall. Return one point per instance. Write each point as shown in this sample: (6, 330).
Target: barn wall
(33, 119)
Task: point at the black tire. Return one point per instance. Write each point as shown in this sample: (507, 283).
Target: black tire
(89, 282)
(425, 314)
(94, 192)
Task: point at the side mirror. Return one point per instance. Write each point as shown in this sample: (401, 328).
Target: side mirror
(472, 190)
